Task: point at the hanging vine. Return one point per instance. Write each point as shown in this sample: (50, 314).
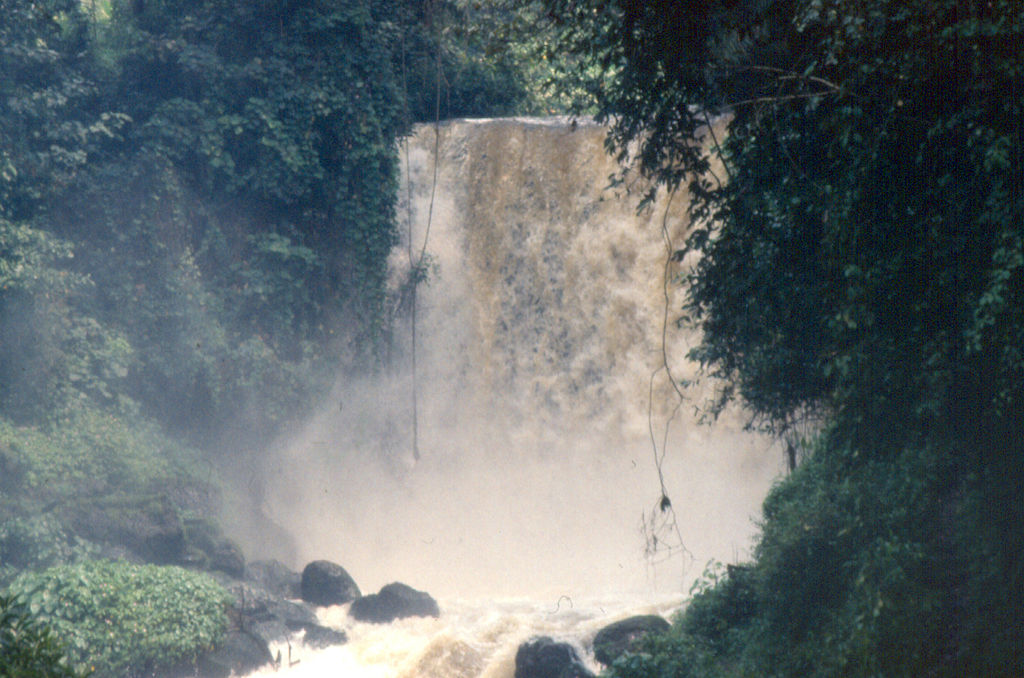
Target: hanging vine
(661, 519)
(417, 261)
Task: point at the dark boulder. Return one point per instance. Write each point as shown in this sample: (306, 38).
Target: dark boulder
(208, 549)
(276, 577)
(622, 636)
(320, 637)
(327, 583)
(394, 601)
(266, 615)
(546, 658)
(238, 654)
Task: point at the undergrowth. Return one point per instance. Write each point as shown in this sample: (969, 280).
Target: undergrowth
(865, 567)
(122, 619)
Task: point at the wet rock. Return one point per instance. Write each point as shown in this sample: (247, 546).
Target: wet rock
(240, 653)
(266, 615)
(327, 583)
(147, 527)
(546, 658)
(320, 637)
(394, 601)
(623, 636)
(276, 577)
(209, 549)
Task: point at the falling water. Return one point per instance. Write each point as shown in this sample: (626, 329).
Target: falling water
(542, 402)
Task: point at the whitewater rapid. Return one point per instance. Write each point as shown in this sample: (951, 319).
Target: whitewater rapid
(471, 638)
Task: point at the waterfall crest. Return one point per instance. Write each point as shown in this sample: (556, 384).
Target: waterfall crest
(547, 299)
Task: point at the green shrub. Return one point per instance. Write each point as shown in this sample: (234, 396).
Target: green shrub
(124, 619)
(37, 542)
(848, 564)
(724, 604)
(87, 450)
(867, 567)
(28, 648)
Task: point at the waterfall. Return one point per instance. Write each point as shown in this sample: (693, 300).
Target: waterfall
(541, 405)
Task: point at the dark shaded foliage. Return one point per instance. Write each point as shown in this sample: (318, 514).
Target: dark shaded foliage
(855, 178)
(29, 648)
(860, 241)
(197, 199)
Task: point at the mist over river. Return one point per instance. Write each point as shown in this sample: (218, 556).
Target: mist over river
(522, 491)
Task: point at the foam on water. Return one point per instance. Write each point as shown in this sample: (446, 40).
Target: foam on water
(471, 639)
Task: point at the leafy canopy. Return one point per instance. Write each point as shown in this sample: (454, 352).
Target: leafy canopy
(858, 204)
(856, 259)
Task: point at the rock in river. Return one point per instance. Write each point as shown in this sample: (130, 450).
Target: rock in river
(394, 601)
(546, 658)
(622, 636)
(327, 583)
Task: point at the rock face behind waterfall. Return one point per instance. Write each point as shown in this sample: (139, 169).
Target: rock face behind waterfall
(524, 230)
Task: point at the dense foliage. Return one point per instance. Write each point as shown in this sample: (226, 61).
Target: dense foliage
(863, 569)
(197, 204)
(36, 543)
(863, 234)
(122, 619)
(857, 267)
(197, 200)
(29, 648)
(246, 209)
(196, 210)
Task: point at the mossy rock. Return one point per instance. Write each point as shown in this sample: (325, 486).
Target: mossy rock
(208, 548)
(148, 527)
(624, 636)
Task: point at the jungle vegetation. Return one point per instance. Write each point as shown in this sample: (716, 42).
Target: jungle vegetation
(858, 279)
(197, 201)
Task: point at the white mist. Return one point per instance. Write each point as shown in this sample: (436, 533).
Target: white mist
(539, 382)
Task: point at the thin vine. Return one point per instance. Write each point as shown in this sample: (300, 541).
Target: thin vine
(662, 516)
(416, 263)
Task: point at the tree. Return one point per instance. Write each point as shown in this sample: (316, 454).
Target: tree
(47, 124)
(50, 125)
(861, 247)
(450, 63)
(244, 210)
(856, 186)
